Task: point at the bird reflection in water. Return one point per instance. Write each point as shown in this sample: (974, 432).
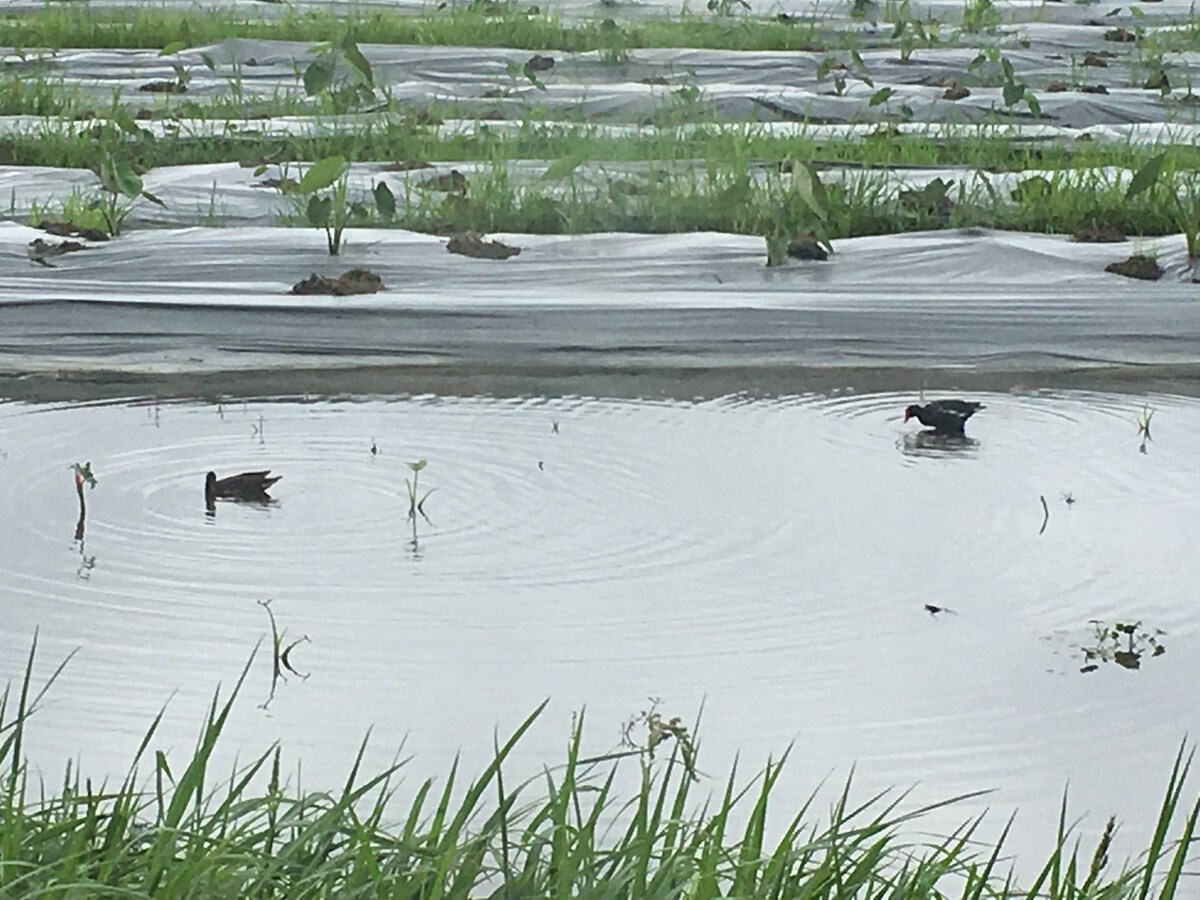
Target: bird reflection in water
(932, 444)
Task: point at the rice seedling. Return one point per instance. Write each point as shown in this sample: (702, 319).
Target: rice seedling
(171, 828)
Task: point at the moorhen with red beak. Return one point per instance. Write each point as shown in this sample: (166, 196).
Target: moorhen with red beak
(946, 417)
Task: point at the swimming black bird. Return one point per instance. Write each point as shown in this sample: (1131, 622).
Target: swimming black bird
(946, 417)
(246, 486)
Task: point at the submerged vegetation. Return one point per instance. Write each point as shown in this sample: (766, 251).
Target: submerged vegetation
(169, 829)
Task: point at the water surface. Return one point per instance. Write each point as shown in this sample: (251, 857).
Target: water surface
(771, 559)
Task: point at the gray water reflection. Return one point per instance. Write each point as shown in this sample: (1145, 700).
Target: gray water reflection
(773, 559)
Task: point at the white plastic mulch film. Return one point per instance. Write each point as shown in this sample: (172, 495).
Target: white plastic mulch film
(975, 294)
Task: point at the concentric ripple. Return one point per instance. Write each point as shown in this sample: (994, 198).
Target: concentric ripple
(773, 556)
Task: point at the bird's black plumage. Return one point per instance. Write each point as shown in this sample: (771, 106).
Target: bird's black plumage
(246, 486)
(944, 416)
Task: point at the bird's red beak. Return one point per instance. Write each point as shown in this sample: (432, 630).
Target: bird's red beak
(907, 415)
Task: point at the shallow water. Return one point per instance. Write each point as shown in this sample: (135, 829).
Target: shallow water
(770, 559)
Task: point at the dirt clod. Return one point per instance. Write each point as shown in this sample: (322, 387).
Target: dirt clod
(68, 229)
(1144, 268)
(1099, 234)
(163, 87)
(355, 281)
(472, 245)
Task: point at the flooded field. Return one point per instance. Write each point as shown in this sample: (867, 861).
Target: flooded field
(773, 559)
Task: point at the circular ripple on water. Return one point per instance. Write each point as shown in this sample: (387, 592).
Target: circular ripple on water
(620, 491)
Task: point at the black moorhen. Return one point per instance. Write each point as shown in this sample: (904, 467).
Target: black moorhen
(246, 486)
(944, 416)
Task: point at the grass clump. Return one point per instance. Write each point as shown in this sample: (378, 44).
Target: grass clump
(170, 831)
(476, 24)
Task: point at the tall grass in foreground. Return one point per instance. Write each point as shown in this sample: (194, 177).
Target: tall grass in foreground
(177, 833)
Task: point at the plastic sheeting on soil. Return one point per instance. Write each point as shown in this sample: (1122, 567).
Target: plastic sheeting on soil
(477, 81)
(945, 10)
(622, 300)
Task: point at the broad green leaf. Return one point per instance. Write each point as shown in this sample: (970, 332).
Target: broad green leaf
(1013, 93)
(318, 211)
(1032, 102)
(734, 195)
(1007, 68)
(563, 167)
(810, 189)
(323, 173)
(898, 29)
(358, 62)
(1146, 177)
(880, 96)
(318, 76)
(120, 178)
(154, 199)
(208, 62)
(385, 200)
(418, 465)
(173, 47)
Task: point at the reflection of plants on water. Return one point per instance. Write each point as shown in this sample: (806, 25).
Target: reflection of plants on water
(86, 563)
(1124, 644)
(658, 731)
(280, 654)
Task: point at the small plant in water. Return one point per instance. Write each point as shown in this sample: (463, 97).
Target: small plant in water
(83, 475)
(1123, 643)
(280, 654)
(416, 505)
(1144, 423)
